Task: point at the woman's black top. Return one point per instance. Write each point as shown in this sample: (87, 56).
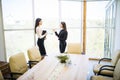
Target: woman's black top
(62, 36)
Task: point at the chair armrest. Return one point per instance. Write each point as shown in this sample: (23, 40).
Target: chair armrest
(14, 73)
(32, 62)
(104, 59)
(10, 78)
(105, 67)
(99, 73)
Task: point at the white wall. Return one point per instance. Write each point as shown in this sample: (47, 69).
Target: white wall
(117, 29)
(2, 46)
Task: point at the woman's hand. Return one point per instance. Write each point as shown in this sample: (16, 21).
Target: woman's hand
(45, 34)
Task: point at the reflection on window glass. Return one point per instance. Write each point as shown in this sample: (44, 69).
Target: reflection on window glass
(18, 41)
(17, 12)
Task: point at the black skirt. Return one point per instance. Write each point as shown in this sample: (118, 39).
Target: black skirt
(41, 46)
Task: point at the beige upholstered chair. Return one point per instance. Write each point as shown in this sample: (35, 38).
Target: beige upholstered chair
(116, 74)
(99, 66)
(18, 64)
(74, 48)
(34, 56)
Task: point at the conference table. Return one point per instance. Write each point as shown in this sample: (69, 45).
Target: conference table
(50, 68)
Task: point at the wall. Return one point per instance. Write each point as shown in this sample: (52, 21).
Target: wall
(2, 47)
(117, 28)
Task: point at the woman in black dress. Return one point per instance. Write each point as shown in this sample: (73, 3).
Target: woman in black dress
(62, 37)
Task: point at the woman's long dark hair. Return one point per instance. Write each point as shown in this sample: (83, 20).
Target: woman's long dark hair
(64, 26)
(37, 23)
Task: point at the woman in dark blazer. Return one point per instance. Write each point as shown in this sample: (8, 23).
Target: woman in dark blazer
(62, 37)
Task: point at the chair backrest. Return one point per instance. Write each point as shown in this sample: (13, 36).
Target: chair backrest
(116, 75)
(18, 63)
(34, 54)
(1, 76)
(74, 48)
(115, 58)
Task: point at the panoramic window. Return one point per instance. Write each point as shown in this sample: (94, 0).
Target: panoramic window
(110, 29)
(18, 26)
(95, 28)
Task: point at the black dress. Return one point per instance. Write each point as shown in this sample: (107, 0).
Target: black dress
(62, 36)
(40, 43)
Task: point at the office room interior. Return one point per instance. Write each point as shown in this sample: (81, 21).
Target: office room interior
(93, 40)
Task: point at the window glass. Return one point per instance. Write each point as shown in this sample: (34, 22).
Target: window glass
(17, 14)
(71, 13)
(48, 10)
(95, 42)
(110, 29)
(18, 26)
(18, 41)
(95, 33)
(74, 35)
(96, 13)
